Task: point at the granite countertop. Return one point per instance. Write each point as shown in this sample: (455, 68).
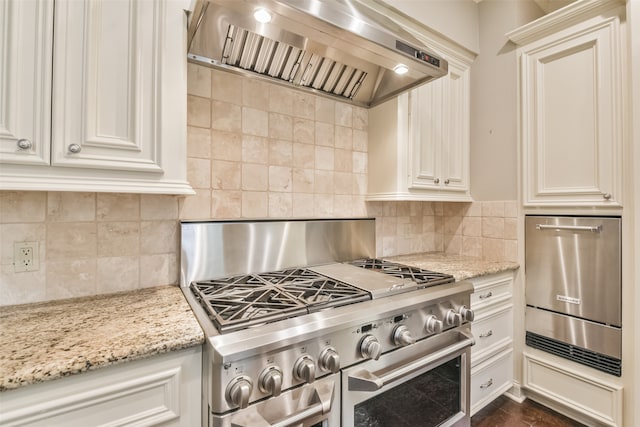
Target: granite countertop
(460, 266)
(44, 341)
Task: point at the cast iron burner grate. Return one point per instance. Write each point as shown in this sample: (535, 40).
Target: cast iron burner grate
(424, 278)
(239, 302)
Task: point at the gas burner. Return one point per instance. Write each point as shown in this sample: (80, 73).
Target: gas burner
(423, 278)
(242, 301)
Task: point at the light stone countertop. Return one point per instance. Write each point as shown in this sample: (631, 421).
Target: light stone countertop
(460, 266)
(44, 341)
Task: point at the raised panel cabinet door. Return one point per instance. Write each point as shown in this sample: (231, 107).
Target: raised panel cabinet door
(427, 131)
(26, 35)
(455, 149)
(107, 88)
(572, 110)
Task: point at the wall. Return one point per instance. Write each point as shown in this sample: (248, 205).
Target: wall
(480, 229)
(255, 150)
(455, 19)
(632, 213)
(494, 137)
(89, 243)
(259, 150)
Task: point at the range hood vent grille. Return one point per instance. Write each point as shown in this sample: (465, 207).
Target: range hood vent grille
(337, 48)
(253, 52)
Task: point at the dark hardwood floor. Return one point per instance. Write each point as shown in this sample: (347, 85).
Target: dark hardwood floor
(504, 412)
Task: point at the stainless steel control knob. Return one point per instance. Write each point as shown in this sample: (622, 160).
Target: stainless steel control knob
(270, 381)
(467, 314)
(305, 369)
(370, 348)
(402, 336)
(433, 325)
(238, 392)
(329, 360)
(452, 318)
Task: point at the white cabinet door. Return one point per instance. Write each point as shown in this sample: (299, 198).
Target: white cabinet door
(427, 133)
(455, 151)
(26, 35)
(439, 133)
(163, 390)
(571, 115)
(106, 84)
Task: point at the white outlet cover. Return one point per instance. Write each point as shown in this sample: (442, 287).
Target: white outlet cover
(28, 260)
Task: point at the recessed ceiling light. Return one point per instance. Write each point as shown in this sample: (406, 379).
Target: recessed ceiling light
(262, 15)
(401, 69)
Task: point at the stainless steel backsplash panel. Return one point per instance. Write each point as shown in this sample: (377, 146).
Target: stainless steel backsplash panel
(215, 249)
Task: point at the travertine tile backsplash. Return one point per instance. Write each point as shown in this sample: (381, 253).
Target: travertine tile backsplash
(255, 150)
(260, 150)
(89, 243)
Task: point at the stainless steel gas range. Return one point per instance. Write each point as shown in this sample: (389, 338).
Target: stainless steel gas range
(305, 327)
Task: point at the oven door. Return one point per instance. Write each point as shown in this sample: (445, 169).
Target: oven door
(310, 405)
(424, 384)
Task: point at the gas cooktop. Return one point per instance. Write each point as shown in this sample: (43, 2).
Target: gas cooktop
(242, 301)
(246, 300)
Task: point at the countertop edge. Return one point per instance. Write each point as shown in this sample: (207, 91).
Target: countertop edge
(45, 341)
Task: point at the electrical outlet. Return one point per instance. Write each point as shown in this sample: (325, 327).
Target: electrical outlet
(25, 257)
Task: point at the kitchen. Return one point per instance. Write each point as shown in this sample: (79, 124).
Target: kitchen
(284, 163)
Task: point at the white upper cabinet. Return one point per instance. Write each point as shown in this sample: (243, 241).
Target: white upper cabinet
(114, 118)
(439, 134)
(25, 81)
(571, 79)
(419, 142)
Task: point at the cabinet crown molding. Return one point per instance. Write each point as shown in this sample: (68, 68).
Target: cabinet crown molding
(560, 19)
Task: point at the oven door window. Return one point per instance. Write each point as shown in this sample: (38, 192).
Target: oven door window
(426, 400)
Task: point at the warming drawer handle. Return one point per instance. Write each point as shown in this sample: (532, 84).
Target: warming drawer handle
(300, 416)
(592, 228)
(364, 380)
(323, 401)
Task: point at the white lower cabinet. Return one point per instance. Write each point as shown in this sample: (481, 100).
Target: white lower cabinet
(493, 331)
(490, 379)
(163, 390)
(492, 354)
(572, 389)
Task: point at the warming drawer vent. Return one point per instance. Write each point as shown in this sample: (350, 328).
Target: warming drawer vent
(580, 355)
(278, 60)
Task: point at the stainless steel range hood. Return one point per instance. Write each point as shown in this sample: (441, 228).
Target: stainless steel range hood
(338, 48)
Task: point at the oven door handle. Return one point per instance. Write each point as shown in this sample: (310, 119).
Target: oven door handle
(364, 380)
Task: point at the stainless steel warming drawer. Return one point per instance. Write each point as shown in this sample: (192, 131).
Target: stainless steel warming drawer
(573, 288)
